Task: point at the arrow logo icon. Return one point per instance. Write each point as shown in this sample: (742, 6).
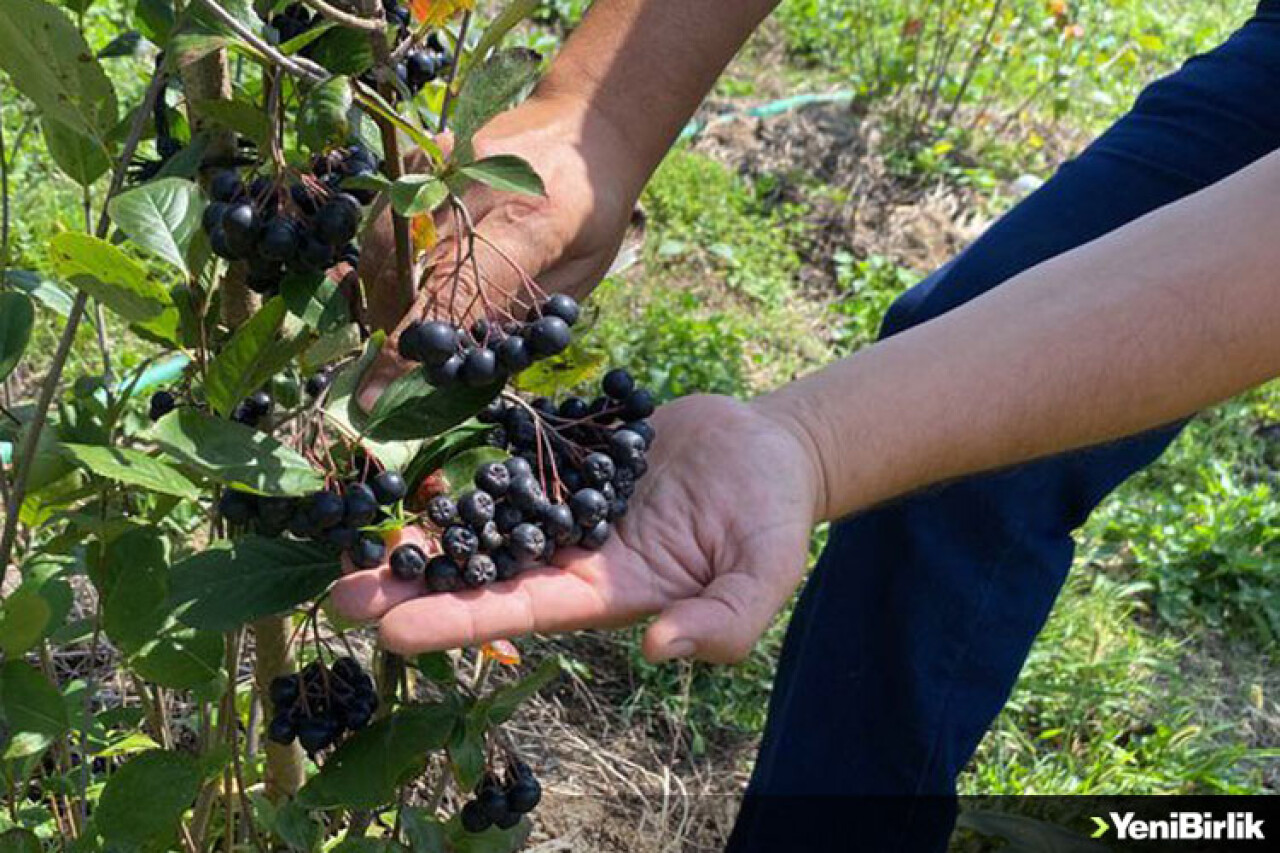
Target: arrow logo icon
(1102, 828)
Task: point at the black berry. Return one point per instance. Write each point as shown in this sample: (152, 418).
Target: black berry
(494, 478)
(389, 487)
(408, 562)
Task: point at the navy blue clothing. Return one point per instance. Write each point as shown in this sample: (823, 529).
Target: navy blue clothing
(912, 629)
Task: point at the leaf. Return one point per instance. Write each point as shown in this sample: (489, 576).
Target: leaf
(186, 48)
(443, 447)
(577, 365)
(155, 19)
(234, 454)
(489, 89)
(492, 840)
(17, 315)
(322, 120)
(108, 275)
(294, 46)
(296, 827)
(316, 300)
(181, 659)
(514, 13)
(81, 157)
(503, 702)
(460, 471)
(20, 841)
(424, 832)
(343, 413)
(161, 216)
(48, 61)
(343, 51)
(412, 408)
(233, 583)
(437, 666)
(133, 587)
(24, 616)
(44, 290)
(375, 103)
(416, 195)
(254, 354)
(367, 769)
(133, 468)
(505, 172)
(466, 751)
(32, 707)
(125, 44)
(240, 116)
(144, 800)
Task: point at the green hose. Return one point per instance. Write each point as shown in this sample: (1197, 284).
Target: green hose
(768, 110)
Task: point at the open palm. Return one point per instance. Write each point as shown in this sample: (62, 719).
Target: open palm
(715, 542)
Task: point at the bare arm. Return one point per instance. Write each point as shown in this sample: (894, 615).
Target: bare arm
(1137, 329)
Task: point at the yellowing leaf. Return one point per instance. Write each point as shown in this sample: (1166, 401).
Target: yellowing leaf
(436, 12)
(502, 651)
(423, 229)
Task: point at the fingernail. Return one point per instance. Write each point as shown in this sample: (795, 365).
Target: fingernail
(681, 648)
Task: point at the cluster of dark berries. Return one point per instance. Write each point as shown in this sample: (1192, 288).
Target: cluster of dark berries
(318, 705)
(250, 411)
(331, 516)
(489, 352)
(307, 226)
(576, 467)
(292, 21)
(501, 802)
(161, 404)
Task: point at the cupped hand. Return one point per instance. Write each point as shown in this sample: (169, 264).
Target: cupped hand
(565, 240)
(715, 543)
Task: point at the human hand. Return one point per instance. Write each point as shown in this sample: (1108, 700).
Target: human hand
(565, 240)
(715, 543)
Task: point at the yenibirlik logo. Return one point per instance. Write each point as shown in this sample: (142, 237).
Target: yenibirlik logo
(1182, 826)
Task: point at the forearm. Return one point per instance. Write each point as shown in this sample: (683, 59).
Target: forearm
(645, 66)
(1175, 311)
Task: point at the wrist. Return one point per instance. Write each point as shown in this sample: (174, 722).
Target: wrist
(790, 421)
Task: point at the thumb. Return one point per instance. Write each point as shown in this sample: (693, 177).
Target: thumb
(722, 624)
(452, 293)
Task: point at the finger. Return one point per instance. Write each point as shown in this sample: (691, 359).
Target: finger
(365, 594)
(545, 600)
(720, 625)
(505, 254)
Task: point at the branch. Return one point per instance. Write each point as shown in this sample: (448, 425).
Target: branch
(303, 68)
(453, 71)
(49, 387)
(348, 19)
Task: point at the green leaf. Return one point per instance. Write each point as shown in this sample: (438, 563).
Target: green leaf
(375, 103)
(345, 416)
(32, 707)
(233, 583)
(415, 195)
(24, 617)
(489, 89)
(155, 19)
(108, 275)
(20, 841)
(144, 800)
(460, 471)
(343, 51)
(134, 589)
(437, 666)
(505, 172)
(492, 840)
(366, 771)
(443, 447)
(161, 216)
(316, 300)
(133, 468)
(412, 408)
(181, 659)
(123, 45)
(296, 827)
(81, 157)
(577, 365)
(255, 353)
(424, 832)
(514, 13)
(466, 750)
(323, 119)
(503, 702)
(41, 288)
(17, 315)
(48, 61)
(242, 117)
(234, 454)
